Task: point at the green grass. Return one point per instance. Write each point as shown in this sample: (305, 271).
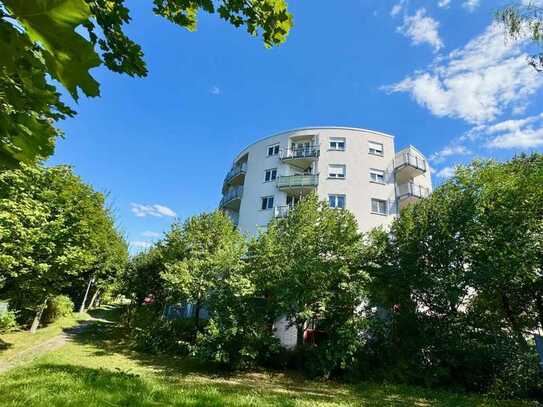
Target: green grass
(15, 342)
(97, 369)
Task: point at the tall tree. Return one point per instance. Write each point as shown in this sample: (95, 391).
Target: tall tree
(44, 38)
(197, 255)
(310, 271)
(54, 231)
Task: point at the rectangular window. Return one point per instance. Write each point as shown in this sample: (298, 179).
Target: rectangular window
(273, 150)
(270, 175)
(267, 203)
(379, 206)
(375, 148)
(336, 201)
(293, 200)
(377, 176)
(336, 171)
(337, 143)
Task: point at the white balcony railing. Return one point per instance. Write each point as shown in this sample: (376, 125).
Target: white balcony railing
(410, 158)
(410, 189)
(300, 152)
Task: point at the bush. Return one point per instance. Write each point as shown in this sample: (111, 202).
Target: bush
(8, 322)
(57, 307)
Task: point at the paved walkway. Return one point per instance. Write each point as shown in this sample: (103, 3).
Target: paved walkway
(49, 345)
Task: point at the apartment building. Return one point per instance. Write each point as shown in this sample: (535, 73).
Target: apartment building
(350, 168)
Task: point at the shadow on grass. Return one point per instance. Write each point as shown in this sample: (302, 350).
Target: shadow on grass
(4, 345)
(185, 381)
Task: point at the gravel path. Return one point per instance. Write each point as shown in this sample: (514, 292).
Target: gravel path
(47, 346)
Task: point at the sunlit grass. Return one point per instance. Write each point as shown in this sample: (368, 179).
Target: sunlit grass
(98, 370)
(15, 342)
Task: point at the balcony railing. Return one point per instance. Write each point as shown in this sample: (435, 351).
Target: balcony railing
(235, 171)
(410, 189)
(300, 152)
(298, 181)
(411, 159)
(281, 211)
(231, 195)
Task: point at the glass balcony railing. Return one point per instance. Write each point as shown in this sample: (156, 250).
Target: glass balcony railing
(307, 152)
(298, 181)
(281, 211)
(231, 195)
(410, 189)
(411, 159)
(235, 171)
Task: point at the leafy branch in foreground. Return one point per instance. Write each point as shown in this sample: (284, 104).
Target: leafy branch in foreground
(524, 22)
(42, 39)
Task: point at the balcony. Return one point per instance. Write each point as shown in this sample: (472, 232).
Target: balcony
(410, 192)
(232, 198)
(281, 212)
(408, 164)
(298, 183)
(235, 176)
(301, 157)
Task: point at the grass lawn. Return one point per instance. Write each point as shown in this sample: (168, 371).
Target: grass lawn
(16, 342)
(96, 369)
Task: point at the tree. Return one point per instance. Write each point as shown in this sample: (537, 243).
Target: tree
(310, 271)
(524, 22)
(459, 279)
(42, 38)
(197, 256)
(54, 233)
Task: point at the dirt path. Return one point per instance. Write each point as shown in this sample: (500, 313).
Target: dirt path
(49, 345)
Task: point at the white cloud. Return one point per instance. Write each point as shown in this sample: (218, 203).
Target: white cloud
(444, 3)
(151, 234)
(421, 29)
(140, 244)
(446, 172)
(476, 83)
(215, 90)
(156, 210)
(537, 3)
(471, 4)
(449, 151)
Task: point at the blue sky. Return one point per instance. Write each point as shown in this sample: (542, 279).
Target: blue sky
(436, 74)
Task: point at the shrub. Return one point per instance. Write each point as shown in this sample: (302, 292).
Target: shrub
(8, 322)
(57, 307)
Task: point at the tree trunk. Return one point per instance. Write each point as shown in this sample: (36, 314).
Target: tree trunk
(511, 318)
(197, 307)
(37, 317)
(82, 308)
(93, 299)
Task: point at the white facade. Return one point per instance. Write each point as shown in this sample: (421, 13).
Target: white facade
(352, 168)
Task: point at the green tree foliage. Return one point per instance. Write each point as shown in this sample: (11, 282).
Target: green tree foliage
(524, 22)
(460, 278)
(199, 254)
(42, 38)
(309, 269)
(54, 234)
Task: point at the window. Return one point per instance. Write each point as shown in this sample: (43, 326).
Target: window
(377, 176)
(379, 206)
(336, 171)
(336, 201)
(267, 203)
(270, 175)
(273, 150)
(375, 148)
(337, 143)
